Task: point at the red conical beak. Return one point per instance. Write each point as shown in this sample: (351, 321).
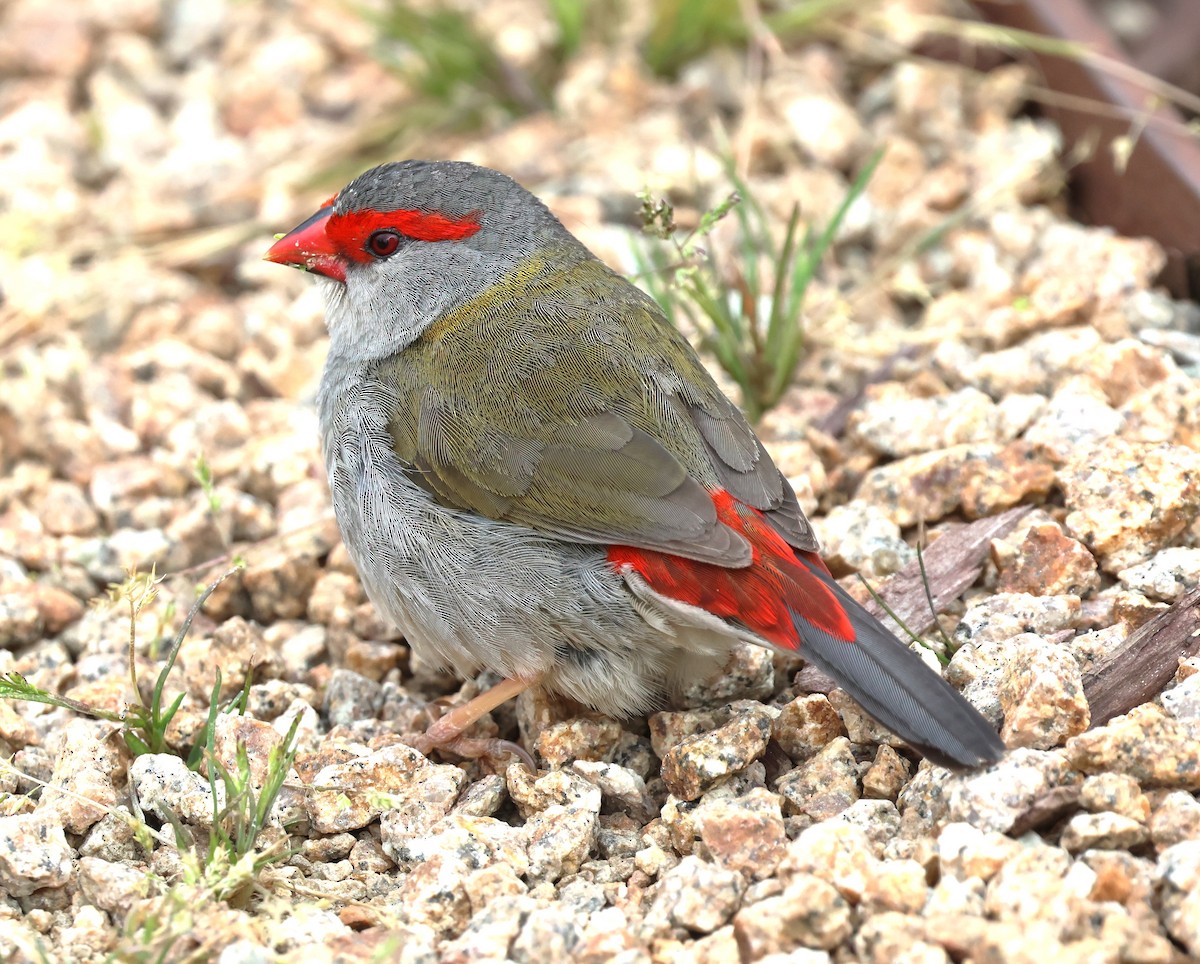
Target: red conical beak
(309, 247)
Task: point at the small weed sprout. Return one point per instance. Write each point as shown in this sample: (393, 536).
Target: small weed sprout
(204, 478)
(144, 724)
(748, 318)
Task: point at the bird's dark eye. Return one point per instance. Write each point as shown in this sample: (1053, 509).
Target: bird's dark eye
(383, 243)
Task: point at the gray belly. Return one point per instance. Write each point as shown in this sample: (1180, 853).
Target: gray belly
(469, 592)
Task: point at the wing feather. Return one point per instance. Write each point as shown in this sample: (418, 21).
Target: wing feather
(587, 417)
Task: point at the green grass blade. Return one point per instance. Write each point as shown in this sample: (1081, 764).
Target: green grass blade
(781, 318)
(177, 642)
(14, 686)
(802, 272)
(824, 240)
(155, 727)
(570, 17)
(806, 17)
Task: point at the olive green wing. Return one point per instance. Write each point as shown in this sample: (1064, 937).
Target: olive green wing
(569, 405)
(745, 471)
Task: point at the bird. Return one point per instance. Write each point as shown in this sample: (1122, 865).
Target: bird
(535, 474)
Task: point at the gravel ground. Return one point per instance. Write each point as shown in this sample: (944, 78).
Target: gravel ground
(148, 152)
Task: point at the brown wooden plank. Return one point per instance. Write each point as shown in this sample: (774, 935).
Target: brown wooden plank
(952, 563)
(1139, 670)
(1157, 195)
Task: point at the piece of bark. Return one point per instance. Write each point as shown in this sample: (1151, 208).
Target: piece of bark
(1139, 670)
(834, 422)
(952, 563)
(1046, 809)
(812, 680)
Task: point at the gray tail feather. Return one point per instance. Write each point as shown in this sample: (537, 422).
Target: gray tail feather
(895, 687)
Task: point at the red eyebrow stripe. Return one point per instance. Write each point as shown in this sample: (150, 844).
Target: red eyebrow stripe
(349, 231)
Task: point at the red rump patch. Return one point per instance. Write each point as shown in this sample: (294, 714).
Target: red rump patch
(759, 595)
(350, 231)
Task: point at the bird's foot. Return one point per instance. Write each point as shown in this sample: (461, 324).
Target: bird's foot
(473, 748)
(446, 732)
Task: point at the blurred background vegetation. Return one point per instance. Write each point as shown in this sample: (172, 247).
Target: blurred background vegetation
(461, 80)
